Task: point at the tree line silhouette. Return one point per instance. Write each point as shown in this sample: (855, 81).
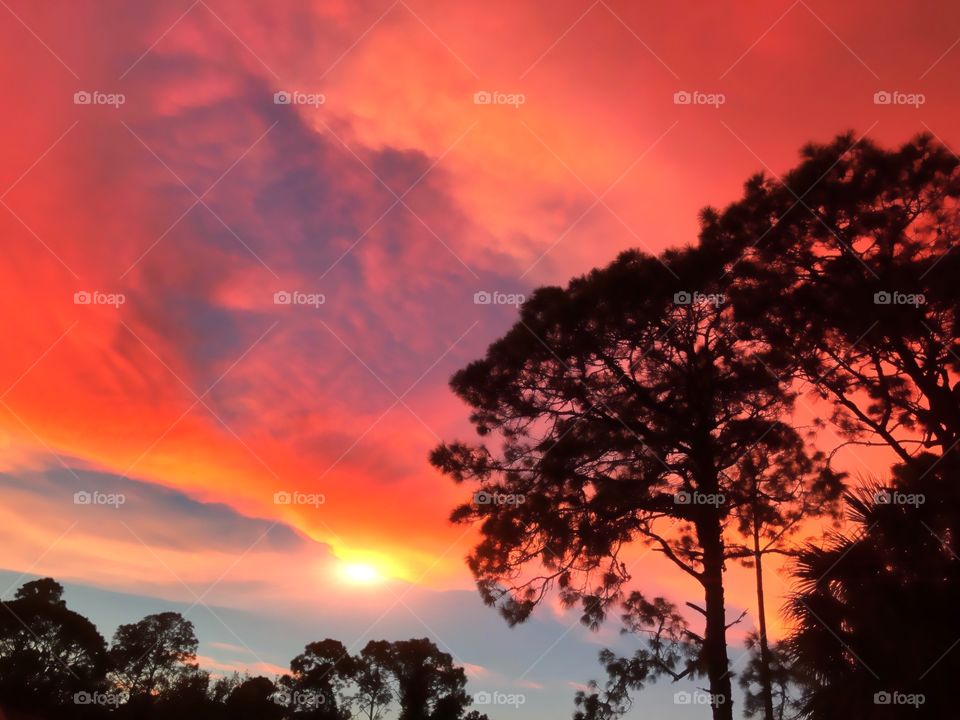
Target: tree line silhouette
(55, 664)
(656, 401)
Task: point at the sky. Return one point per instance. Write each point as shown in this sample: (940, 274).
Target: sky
(242, 247)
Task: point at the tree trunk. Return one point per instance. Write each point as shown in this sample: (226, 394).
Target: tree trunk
(765, 680)
(715, 637)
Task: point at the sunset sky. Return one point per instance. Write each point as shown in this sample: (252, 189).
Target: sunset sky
(387, 191)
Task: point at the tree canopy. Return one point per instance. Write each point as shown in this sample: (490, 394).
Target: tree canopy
(653, 401)
(54, 664)
(623, 408)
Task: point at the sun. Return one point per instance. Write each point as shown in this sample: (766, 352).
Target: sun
(358, 573)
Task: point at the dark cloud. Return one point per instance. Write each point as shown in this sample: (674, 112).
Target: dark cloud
(161, 517)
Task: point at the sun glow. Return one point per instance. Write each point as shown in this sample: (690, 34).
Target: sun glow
(357, 573)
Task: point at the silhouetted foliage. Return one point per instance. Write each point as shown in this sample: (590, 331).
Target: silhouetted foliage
(785, 678)
(780, 497)
(845, 269)
(428, 686)
(620, 409)
(319, 675)
(54, 664)
(670, 650)
(187, 697)
(151, 658)
(876, 608)
(371, 680)
(254, 699)
(48, 653)
(606, 398)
